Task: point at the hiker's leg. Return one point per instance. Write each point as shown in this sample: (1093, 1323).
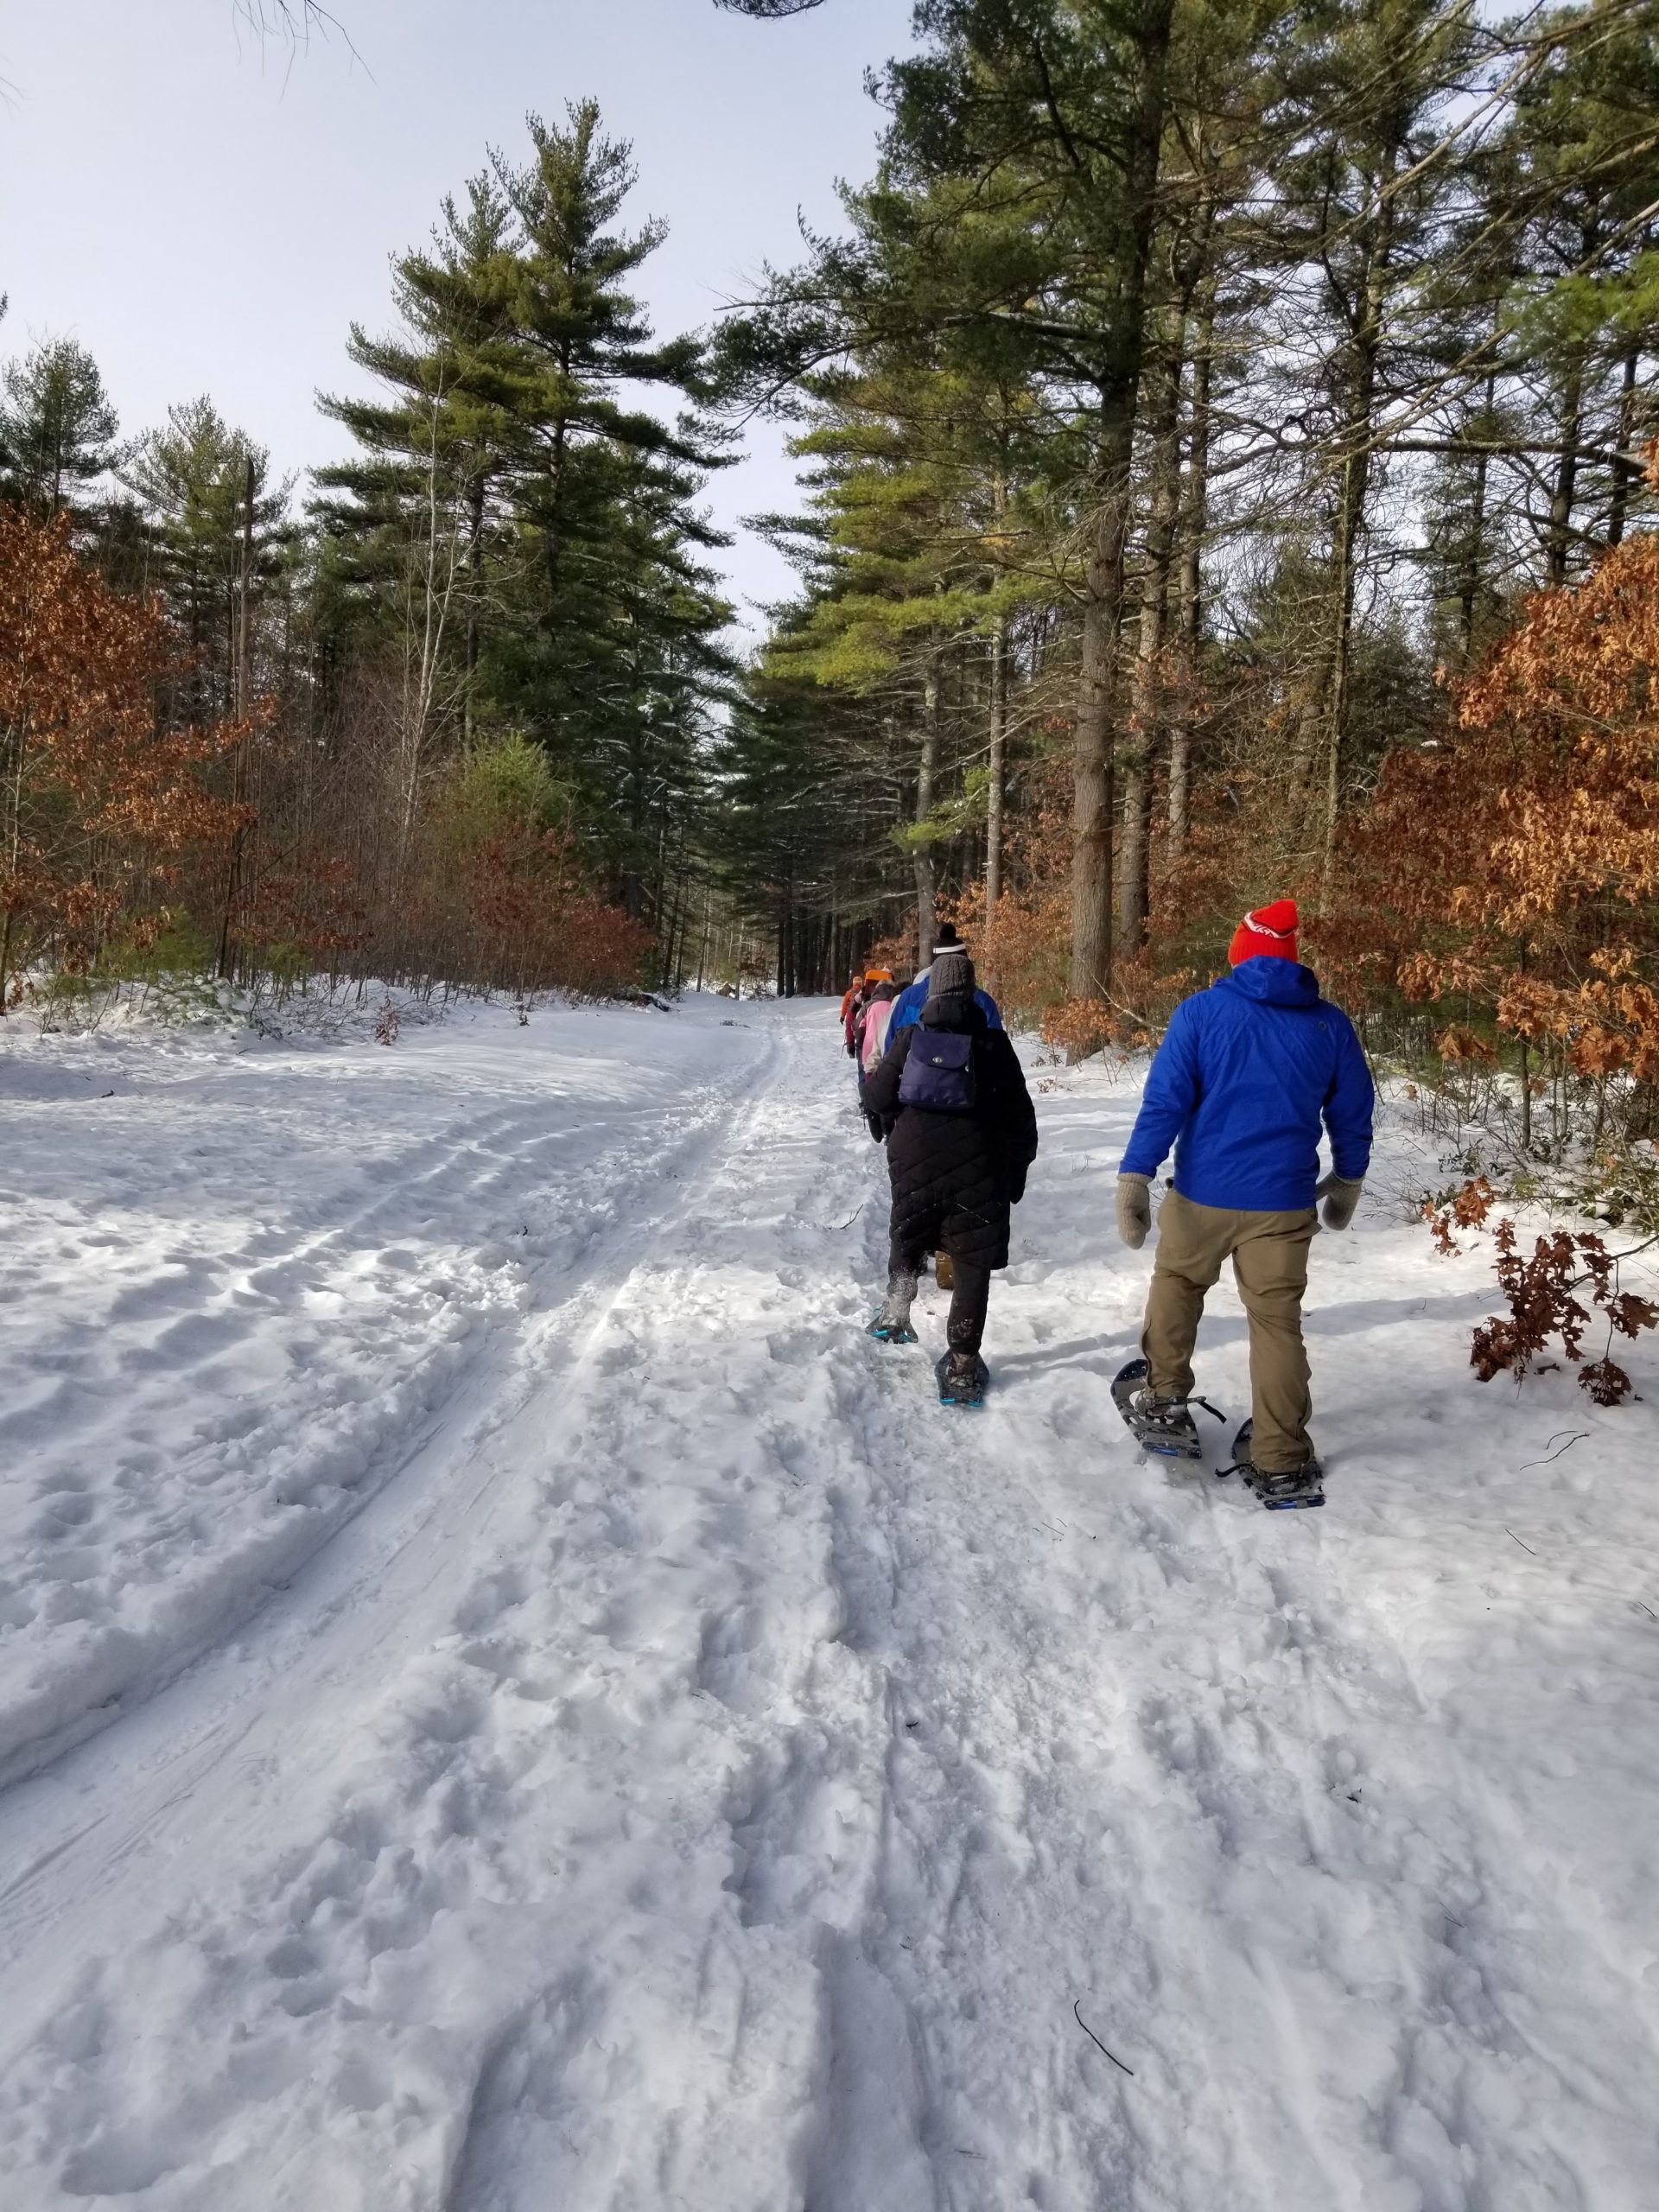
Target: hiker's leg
(1192, 1241)
(969, 1297)
(1270, 1266)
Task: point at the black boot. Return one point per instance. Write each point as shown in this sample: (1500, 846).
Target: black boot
(892, 1325)
(963, 1379)
(1282, 1490)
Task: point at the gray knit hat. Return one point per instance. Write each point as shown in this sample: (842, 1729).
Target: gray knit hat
(951, 973)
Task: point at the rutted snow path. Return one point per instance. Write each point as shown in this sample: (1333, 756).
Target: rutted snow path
(682, 1766)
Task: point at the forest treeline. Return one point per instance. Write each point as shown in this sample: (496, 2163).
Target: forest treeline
(1223, 431)
(452, 704)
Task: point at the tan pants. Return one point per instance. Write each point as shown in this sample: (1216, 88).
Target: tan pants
(1269, 1255)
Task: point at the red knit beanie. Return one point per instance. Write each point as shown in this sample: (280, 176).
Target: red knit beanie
(1270, 930)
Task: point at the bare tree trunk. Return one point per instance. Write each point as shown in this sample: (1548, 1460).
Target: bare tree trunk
(1558, 537)
(1195, 501)
(1350, 510)
(1624, 472)
(475, 605)
(997, 770)
(1475, 541)
(243, 689)
(1355, 484)
(1093, 770)
(1134, 864)
(437, 566)
(926, 777)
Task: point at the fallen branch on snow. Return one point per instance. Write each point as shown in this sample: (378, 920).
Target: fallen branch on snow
(1077, 2009)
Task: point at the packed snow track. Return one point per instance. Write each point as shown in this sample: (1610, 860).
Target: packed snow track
(510, 1702)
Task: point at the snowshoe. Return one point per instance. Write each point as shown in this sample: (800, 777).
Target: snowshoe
(1289, 1492)
(945, 1273)
(891, 1329)
(963, 1379)
(1163, 1427)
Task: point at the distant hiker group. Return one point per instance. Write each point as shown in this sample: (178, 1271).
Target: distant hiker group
(1250, 1074)
(943, 1088)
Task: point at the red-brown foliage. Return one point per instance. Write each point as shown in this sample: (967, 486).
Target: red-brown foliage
(1517, 867)
(100, 800)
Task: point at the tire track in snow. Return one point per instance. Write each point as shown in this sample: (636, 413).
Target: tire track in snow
(400, 1840)
(268, 1485)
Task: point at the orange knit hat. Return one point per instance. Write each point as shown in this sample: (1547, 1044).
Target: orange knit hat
(1270, 931)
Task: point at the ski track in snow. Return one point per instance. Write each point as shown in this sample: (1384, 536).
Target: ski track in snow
(510, 1701)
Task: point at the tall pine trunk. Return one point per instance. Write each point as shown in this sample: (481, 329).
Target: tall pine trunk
(1119, 389)
(997, 768)
(1194, 516)
(1134, 900)
(927, 771)
(1354, 484)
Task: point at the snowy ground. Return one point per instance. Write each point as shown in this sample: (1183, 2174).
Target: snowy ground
(508, 1703)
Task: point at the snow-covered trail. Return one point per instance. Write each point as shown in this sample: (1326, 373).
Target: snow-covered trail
(679, 1765)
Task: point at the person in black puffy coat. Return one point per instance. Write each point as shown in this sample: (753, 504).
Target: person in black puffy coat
(955, 1169)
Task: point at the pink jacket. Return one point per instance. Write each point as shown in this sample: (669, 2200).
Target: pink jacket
(873, 1036)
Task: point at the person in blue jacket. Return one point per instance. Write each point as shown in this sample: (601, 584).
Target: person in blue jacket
(907, 1007)
(1248, 1072)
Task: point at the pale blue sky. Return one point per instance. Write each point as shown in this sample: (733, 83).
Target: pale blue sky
(207, 219)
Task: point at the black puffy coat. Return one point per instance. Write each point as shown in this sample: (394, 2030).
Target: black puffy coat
(954, 1176)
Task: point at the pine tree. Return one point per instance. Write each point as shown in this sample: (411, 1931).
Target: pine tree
(58, 428)
(520, 532)
(217, 534)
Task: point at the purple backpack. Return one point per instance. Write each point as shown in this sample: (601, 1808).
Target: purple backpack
(939, 1071)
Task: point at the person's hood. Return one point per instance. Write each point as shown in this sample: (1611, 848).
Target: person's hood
(953, 1010)
(1272, 981)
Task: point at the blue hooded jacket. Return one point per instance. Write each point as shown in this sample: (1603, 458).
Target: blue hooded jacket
(1247, 1072)
(907, 1007)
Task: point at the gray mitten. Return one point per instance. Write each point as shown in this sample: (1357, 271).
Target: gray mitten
(1341, 1199)
(1134, 1210)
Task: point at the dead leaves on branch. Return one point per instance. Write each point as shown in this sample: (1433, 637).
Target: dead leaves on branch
(1543, 1293)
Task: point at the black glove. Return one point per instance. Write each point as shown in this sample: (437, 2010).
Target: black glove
(852, 1052)
(1017, 1188)
(878, 1129)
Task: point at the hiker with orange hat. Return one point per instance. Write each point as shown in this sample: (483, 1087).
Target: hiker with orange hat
(1249, 1072)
